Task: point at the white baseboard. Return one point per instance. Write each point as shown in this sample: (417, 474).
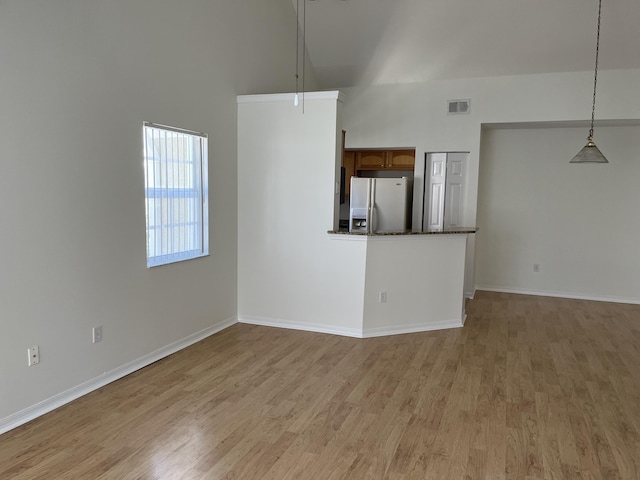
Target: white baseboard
(307, 327)
(351, 332)
(411, 328)
(470, 295)
(548, 293)
(46, 406)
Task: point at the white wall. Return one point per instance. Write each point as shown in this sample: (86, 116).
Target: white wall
(77, 79)
(578, 222)
(416, 115)
(290, 271)
(423, 278)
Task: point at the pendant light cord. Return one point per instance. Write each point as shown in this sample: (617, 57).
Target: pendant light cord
(595, 76)
(304, 47)
(297, 41)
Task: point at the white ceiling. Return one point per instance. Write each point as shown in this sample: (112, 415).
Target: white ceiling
(365, 42)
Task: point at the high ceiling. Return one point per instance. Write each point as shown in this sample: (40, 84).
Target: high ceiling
(365, 42)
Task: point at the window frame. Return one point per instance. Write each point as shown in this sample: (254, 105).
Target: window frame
(193, 187)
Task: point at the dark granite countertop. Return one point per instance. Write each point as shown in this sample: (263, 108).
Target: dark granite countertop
(447, 231)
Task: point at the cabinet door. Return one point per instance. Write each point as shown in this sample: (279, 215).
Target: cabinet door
(401, 159)
(349, 164)
(370, 160)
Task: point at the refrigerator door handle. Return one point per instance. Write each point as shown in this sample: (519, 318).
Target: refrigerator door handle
(373, 225)
(372, 209)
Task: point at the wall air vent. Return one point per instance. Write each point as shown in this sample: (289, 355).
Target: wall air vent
(459, 106)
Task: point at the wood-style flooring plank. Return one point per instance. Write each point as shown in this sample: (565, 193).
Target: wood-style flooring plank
(531, 388)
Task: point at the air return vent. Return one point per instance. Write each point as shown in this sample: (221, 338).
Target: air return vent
(459, 106)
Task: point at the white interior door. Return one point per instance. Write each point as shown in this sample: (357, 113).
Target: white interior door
(436, 168)
(444, 191)
(454, 189)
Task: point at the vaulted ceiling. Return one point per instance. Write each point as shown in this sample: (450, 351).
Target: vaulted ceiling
(365, 42)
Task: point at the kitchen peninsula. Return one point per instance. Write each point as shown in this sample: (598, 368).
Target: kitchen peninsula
(291, 273)
(414, 281)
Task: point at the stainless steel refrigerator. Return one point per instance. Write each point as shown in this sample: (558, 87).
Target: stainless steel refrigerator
(380, 205)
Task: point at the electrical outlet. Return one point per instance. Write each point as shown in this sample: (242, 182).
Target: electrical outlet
(97, 334)
(536, 267)
(383, 297)
(34, 355)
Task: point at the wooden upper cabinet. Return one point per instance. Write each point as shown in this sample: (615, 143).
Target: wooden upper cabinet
(385, 159)
(402, 159)
(371, 160)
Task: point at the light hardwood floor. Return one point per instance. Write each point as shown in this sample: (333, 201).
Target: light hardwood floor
(531, 388)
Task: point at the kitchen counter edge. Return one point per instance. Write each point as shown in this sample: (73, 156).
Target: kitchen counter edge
(453, 231)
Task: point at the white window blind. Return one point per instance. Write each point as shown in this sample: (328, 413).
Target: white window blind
(175, 172)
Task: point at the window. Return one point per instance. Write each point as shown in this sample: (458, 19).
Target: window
(175, 177)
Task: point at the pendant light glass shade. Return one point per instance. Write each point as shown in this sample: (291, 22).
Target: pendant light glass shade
(589, 154)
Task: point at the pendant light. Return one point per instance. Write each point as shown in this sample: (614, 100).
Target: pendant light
(590, 153)
(296, 100)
